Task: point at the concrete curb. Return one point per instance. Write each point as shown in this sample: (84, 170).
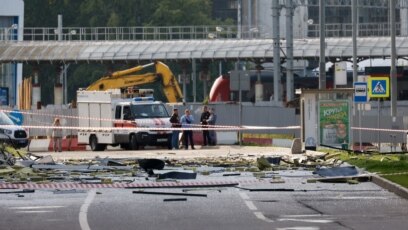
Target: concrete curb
(390, 186)
(38, 145)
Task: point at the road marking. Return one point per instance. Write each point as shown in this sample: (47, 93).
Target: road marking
(244, 196)
(261, 216)
(299, 228)
(34, 211)
(83, 219)
(35, 207)
(306, 220)
(305, 215)
(250, 205)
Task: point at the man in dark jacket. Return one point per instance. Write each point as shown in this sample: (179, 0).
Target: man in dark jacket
(203, 121)
(211, 122)
(175, 123)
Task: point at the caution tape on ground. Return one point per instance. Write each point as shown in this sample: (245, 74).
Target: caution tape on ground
(168, 184)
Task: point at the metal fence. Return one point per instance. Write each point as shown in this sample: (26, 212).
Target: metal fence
(130, 33)
(345, 30)
(253, 115)
(182, 32)
(45, 117)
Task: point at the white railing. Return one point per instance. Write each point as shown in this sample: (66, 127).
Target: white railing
(182, 32)
(345, 30)
(130, 33)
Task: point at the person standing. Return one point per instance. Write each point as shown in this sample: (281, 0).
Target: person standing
(211, 121)
(203, 121)
(175, 123)
(57, 135)
(186, 120)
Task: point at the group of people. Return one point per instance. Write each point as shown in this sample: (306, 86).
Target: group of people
(207, 119)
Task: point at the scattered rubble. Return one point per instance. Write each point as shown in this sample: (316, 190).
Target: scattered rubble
(337, 171)
(17, 167)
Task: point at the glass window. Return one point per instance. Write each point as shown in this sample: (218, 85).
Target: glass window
(149, 111)
(118, 112)
(127, 114)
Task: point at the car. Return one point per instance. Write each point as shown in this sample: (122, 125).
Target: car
(11, 133)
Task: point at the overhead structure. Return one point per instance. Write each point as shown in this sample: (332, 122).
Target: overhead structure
(248, 49)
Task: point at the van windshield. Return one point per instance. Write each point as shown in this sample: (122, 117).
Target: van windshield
(5, 120)
(149, 111)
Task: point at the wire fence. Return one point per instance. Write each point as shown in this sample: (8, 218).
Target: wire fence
(375, 129)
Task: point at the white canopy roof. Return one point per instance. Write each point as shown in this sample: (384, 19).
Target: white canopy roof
(79, 51)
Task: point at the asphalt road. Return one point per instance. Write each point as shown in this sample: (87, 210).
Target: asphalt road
(309, 206)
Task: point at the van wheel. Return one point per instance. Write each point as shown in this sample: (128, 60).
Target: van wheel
(133, 142)
(93, 142)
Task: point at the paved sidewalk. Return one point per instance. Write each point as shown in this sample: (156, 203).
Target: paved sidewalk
(208, 152)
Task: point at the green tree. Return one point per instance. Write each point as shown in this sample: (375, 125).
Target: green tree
(182, 12)
(112, 13)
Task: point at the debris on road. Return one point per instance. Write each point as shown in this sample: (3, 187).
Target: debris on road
(30, 170)
(68, 191)
(175, 199)
(341, 179)
(150, 164)
(169, 193)
(337, 171)
(177, 175)
(19, 191)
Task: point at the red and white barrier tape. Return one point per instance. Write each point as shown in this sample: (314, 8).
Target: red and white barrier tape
(167, 184)
(107, 129)
(192, 126)
(382, 130)
(140, 121)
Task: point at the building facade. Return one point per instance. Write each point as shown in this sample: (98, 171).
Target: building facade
(11, 27)
(373, 17)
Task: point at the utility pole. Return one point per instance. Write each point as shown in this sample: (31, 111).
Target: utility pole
(354, 11)
(276, 49)
(393, 72)
(239, 35)
(289, 50)
(322, 62)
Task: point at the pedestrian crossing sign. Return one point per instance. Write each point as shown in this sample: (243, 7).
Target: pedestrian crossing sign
(378, 87)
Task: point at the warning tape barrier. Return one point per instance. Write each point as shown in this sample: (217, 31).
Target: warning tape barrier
(192, 126)
(141, 121)
(108, 129)
(382, 130)
(165, 184)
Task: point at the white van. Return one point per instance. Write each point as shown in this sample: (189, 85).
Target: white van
(12, 133)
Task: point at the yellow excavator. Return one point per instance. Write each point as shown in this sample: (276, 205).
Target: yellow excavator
(125, 79)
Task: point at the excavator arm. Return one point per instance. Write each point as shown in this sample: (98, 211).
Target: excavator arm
(124, 79)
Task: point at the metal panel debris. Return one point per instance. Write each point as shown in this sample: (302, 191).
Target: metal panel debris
(170, 193)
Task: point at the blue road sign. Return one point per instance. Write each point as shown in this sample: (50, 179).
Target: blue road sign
(17, 117)
(360, 92)
(379, 87)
